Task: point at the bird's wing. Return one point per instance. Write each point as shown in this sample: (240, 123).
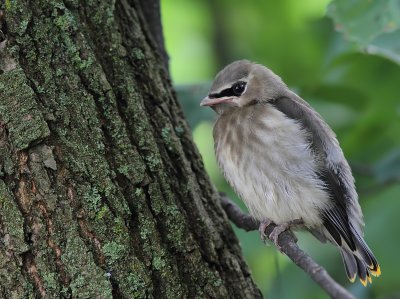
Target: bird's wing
(334, 170)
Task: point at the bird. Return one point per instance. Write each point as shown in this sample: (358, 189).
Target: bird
(285, 163)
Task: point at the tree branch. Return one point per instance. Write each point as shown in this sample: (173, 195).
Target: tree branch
(287, 242)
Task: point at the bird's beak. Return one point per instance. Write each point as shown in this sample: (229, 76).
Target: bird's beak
(214, 101)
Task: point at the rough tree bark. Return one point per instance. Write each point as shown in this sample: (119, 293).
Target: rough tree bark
(102, 192)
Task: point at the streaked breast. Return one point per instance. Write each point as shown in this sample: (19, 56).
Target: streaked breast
(266, 158)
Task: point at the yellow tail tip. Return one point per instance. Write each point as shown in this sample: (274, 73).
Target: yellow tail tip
(364, 282)
(369, 279)
(353, 279)
(376, 272)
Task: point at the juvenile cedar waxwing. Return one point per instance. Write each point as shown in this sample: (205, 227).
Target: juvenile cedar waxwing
(285, 162)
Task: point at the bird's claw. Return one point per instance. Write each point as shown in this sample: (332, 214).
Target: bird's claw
(274, 236)
(278, 229)
(263, 225)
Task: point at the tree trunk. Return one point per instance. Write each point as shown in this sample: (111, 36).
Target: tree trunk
(102, 192)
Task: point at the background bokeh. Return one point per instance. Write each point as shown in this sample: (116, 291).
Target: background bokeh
(343, 57)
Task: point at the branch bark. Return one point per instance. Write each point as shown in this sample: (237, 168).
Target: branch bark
(287, 242)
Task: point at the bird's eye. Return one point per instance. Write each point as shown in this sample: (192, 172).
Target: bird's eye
(238, 88)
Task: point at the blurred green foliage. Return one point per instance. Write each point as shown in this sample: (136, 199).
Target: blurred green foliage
(381, 35)
(343, 57)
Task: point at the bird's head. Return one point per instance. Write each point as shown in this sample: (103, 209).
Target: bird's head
(243, 83)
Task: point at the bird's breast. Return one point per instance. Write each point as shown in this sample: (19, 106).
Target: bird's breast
(266, 157)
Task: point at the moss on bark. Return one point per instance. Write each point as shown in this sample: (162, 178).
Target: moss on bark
(102, 192)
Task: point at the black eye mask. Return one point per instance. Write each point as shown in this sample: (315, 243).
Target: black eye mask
(235, 90)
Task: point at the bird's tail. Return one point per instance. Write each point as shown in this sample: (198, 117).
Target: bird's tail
(360, 261)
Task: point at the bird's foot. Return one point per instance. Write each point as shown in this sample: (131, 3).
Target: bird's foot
(263, 225)
(274, 236)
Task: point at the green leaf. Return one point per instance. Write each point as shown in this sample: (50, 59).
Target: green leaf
(373, 25)
(386, 45)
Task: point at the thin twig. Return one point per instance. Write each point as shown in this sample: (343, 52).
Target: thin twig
(287, 242)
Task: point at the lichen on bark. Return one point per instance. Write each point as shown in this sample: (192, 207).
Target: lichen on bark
(101, 185)
(20, 111)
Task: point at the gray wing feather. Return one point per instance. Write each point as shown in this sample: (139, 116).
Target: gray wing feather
(350, 264)
(335, 171)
